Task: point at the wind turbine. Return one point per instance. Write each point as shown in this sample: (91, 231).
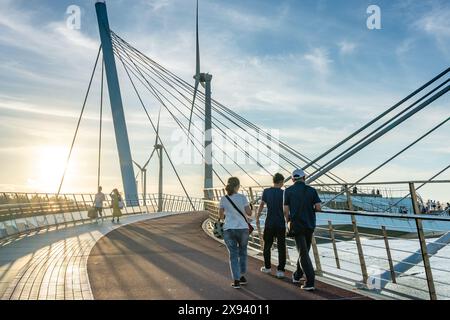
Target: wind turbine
(158, 148)
(205, 80)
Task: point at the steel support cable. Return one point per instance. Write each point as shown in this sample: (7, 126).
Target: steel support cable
(173, 116)
(220, 129)
(79, 121)
(180, 124)
(101, 126)
(165, 80)
(386, 123)
(423, 184)
(159, 138)
(159, 99)
(224, 135)
(200, 110)
(393, 157)
(381, 133)
(232, 113)
(381, 115)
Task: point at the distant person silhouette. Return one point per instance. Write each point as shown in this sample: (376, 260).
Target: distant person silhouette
(98, 203)
(117, 205)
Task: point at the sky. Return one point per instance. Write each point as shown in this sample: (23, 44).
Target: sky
(311, 70)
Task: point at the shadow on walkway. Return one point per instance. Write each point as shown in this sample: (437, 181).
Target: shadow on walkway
(173, 258)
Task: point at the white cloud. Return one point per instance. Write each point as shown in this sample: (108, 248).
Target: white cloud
(437, 24)
(157, 5)
(319, 58)
(347, 47)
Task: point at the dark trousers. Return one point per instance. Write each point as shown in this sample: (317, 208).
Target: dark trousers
(269, 235)
(303, 240)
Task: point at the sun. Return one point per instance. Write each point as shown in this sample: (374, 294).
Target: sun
(48, 167)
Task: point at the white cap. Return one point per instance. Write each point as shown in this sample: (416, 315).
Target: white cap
(297, 174)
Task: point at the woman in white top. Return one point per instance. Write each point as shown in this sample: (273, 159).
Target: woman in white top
(235, 230)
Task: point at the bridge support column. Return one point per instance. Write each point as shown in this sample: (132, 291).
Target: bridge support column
(120, 127)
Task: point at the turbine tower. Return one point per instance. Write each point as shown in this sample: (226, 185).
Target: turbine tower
(159, 149)
(205, 80)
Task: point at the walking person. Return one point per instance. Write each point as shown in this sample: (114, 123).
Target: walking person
(301, 202)
(117, 205)
(274, 225)
(98, 203)
(234, 208)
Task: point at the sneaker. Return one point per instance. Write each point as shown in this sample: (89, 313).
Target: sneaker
(265, 270)
(236, 284)
(295, 279)
(243, 281)
(280, 274)
(308, 288)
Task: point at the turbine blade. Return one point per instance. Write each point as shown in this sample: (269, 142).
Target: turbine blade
(149, 159)
(193, 105)
(197, 73)
(157, 129)
(137, 165)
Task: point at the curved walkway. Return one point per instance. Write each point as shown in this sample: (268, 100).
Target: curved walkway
(51, 264)
(173, 258)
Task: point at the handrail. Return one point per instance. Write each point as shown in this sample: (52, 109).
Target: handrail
(341, 253)
(377, 214)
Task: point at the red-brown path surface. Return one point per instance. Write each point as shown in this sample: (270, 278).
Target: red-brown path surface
(173, 258)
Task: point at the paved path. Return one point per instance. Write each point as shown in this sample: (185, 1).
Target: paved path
(51, 264)
(173, 258)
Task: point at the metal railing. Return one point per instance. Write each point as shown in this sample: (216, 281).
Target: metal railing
(24, 212)
(399, 255)
(365, 196)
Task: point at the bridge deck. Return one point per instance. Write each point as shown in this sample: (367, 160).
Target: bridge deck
(51, 264)
(173, 258)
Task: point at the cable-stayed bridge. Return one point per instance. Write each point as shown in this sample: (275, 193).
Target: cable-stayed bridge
(372, 237)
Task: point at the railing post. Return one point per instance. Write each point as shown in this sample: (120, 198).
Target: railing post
(423, 244)
(362, 261)
(336, 257)
(216, 194)
(388, 251)
(316, 256)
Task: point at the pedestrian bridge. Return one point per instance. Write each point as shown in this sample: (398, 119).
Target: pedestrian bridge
(150, 255)
(49, 249)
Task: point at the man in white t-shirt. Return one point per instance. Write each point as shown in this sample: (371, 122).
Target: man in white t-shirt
(98, 202)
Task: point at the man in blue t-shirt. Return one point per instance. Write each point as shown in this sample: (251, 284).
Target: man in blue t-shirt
(301, 202)
(275, 225)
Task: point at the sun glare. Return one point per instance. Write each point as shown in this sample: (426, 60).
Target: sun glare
(48, 167)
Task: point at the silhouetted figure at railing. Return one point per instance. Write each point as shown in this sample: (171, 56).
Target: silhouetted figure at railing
(117, 205)
(233, 208)
(98, 203)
